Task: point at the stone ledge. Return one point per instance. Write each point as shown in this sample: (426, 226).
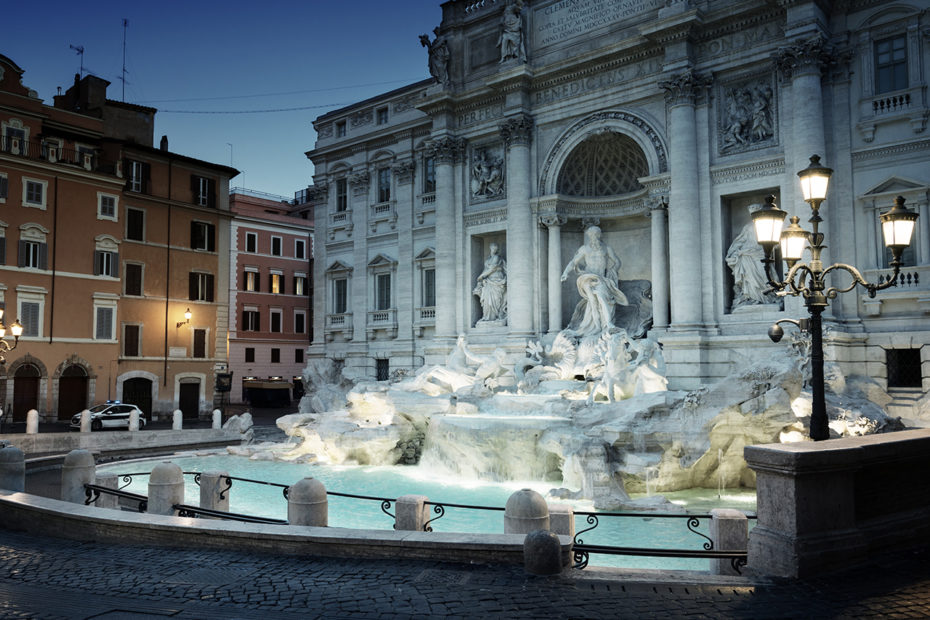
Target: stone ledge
(102, 442)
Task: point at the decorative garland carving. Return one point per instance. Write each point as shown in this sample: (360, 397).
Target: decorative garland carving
(363, 117)
(317, 193)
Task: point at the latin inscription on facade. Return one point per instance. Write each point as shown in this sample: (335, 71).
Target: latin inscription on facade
(571, 18)
(480, 115)
(597, 81)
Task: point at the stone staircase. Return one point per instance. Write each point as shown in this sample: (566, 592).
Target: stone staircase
(904, 404)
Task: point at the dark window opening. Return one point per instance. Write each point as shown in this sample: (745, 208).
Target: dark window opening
(904, 368)
(382, 369)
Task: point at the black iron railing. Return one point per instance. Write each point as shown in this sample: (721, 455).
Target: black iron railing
(195, 512)
(92, 493)
(439, 509)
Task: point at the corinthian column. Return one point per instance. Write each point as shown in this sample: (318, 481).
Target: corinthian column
(445, 151)
(684, 214)
(554, 223)
(660, 276)
(516, 133)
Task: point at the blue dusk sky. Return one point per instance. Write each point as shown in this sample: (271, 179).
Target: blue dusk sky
(233, 56)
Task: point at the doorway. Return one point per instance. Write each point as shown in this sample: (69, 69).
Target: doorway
(138, 391)
(25, 391)
(72, 392)
(189, 400)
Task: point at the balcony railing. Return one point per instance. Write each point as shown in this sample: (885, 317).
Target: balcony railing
(52, 153)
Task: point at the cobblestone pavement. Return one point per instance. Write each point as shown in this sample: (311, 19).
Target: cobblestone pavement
(53, 578)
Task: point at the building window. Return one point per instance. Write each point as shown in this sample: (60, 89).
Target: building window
(250, 320)
(105, 263)
(300, 248)
(383, 291)
(275, 286)
(300, 284)
(276, 246)
(300, 322)
(104, 322)
(203, 190)
(138, 176)
(250, 280)
(340, 296)
(382, 369)
(132, 275)
(382, 116)
(275, 356)
(251, 242)
(14, 139)
(276, 320)
(4, 187)
(342, 194)
(904, 368)
(203, 236)
(200, 344)
(384, 184)
(429, 175)
(106, 207)
(298, 356)
(250, 355)
(132, 343)
(30, 315)
(33, 255)
(200, 286)
(340, 129)
(891, 64)
(34, 193)
(429, 288)
(135, 224)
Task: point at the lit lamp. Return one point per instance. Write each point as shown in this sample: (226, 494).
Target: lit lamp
(16, 329)
(809, 279)
(187, 318)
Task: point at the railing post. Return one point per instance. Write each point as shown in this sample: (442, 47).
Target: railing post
(177, 420)
(166, 488)
(411, 513)
(729, 530)
(214, 490)
(32, 422)
(526, 511)
(12, 468)
(85, 421)
(77, 470)
(307, 503)
(105, 500)
(217, 419)
(562, 520)
(133, 420)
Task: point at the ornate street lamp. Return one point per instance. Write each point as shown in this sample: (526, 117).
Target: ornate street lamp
(16, 329)
(187, 319)
(809, 279)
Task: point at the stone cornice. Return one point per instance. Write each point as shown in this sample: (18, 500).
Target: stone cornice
(740, 172)
(888, 151)
(573, 207)
(488, 216)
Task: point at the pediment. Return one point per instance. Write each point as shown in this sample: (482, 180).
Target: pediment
(381, 260)
(339, 266)
(426, 254)
(894, 185)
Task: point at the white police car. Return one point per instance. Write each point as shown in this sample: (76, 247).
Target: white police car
(112, 414)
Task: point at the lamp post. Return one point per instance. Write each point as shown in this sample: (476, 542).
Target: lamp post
(16, 329)
(809, 279)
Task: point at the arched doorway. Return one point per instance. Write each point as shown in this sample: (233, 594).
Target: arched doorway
(25, 391)
(72, 392)
(138, 391)
(189, 398)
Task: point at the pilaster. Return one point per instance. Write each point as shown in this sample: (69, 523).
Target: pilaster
(517, 132)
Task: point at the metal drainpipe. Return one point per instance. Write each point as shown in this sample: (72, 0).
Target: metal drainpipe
(164, 377)
(51, 311)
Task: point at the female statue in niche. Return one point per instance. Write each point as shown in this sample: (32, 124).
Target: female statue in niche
(745, 261)
(491, 287)
(511, 39)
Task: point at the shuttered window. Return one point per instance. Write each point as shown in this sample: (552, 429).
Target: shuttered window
(104, 330)
(200, 286)
(203, 236)
(200, 343)
(33, 254)
(106, 264)
(131, 344)
(29, 317)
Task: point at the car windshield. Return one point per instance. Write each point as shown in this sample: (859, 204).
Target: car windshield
(99, 408)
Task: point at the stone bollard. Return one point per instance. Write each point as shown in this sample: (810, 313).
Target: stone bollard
(32, 422)
(729, 529)
(411, 513)
(133, 420)
(542, 553)
(12, 469)
(177, 420)
(526, 511)
(214, 491)
(217, 418)
(166, 488)
(85, 421)
(307, 503)
(110, 481)
(77, 470)
(562, 520)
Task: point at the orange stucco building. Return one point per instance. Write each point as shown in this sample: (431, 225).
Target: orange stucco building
(106, 242)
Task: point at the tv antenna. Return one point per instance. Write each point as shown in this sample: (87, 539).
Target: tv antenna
(123, 77)
(79, 49)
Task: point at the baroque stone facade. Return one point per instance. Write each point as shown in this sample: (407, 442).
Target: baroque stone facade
(663, 123)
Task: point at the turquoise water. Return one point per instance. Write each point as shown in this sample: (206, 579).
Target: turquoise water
(391, 482)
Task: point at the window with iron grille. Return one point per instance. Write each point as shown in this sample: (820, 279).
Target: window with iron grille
(382, 369)
(904, 368)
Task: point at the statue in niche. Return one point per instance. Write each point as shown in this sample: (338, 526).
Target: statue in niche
(511, 39)
(744, 258)
(439, 56)
(748, 118)
(487, 176)
(491, 288)
(598, 269)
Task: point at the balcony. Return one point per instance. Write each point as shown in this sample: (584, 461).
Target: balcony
(426, 206)
(338, 324)
(382, 212)
(910, 294)
(901, 105)
(53, 154)
(340, 220)
(382, 320)
(425, 317)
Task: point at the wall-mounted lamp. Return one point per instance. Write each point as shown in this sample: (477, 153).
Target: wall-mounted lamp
(187, 318)
(16, 329)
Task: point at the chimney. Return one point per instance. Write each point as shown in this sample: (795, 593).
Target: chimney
(164, 143)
